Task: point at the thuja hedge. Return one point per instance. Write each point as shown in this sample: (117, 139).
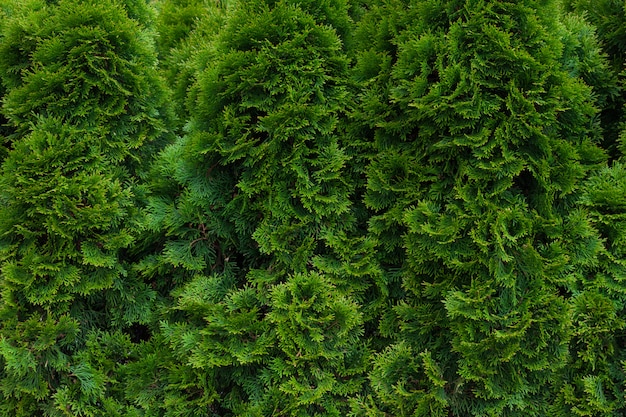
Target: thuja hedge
(312, 208)
(86, 109)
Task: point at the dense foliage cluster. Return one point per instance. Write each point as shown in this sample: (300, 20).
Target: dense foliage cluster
(312, 208)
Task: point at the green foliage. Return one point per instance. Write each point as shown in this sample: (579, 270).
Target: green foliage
(176, 20)
(184, 29)
(262, 201)
(262, 154)
(84, 104)
(483, 135)
(608, 16)
(371, 208)
(88, 65)
(61, 226)
(411, 383)
(5, 12)
(593, 383)
(301, 358)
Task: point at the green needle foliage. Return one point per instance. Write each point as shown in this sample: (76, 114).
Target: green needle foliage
(608, 18)
(84, 101)
(370, 208)
(86, 66)
(266, 322)
(483, 139)
(5, 131)
(185, 27)
(594, 379)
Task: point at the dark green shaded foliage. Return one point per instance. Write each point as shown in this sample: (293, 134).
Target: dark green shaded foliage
(176, 20)
(606, 18)
(257, 220)
(609, 19)
(483, 135)
(593, 383)
(85, 106)
(5, 131)
(88, 65)
(411, 217)
(584, 58)
(375, 49)
(594, 379)
(184, 29)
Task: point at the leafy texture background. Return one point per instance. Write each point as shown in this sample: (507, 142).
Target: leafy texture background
(312, 208)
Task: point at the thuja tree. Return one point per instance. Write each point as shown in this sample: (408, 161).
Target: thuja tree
(185, 27)
(90, 75)
(177, 20)
(5, 9)
(608, 18)
(375, 49)
(265, 319)
(84, 101)
(593, 381)
(476, 181)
